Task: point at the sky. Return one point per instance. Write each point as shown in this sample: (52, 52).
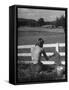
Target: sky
(48, 15)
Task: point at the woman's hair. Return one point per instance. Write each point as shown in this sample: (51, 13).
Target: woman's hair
(40, 42)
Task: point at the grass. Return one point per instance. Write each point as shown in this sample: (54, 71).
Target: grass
(30, 37)
(26, 73)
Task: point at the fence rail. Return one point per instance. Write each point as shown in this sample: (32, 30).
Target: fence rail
(45, 45)
(48, 54)
(44, 62)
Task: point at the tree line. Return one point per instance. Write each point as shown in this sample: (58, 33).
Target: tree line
(40, 22)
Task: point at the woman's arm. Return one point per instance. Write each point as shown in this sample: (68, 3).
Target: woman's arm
(44, 54)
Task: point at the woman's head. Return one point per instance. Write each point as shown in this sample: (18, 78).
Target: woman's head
(40, 42)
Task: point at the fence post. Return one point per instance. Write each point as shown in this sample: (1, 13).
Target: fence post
(57, 47)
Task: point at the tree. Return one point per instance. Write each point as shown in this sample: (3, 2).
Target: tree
(60, 22)
(41, 21)
(57, 23)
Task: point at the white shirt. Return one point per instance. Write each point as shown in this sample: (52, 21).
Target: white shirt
(35, 54)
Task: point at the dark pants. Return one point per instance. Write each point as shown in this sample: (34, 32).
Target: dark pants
(40, 67)
(35, 68)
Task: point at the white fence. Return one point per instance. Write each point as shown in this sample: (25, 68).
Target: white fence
(56, 45)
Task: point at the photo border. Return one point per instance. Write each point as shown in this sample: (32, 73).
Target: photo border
(16, 42)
